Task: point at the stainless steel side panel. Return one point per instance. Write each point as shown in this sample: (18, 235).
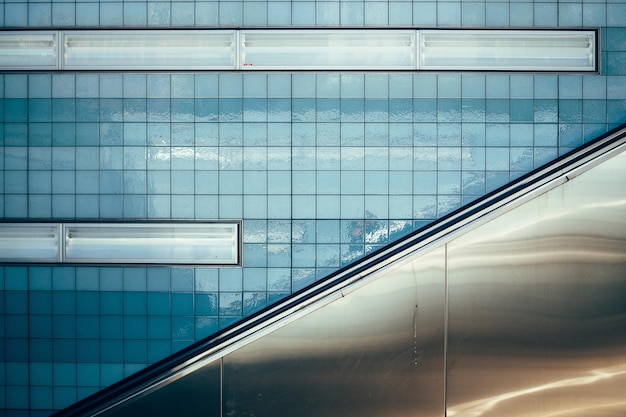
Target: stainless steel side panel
(378, 351)
(194, 395)
(537, 305)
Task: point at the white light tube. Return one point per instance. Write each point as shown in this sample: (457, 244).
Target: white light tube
(29, 242)
(121, 243)
(328, 49)
(507, 50)
(148, 50)
(28, 50)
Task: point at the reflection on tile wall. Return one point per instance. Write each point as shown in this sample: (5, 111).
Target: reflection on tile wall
(322, 168)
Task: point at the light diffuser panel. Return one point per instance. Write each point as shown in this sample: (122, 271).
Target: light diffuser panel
(166, 243)
(328, 49)
(28, 50)
(29, 242)
(507, 50)
(193, 243)
(148, 50)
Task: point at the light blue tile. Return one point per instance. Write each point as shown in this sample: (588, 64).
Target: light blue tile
(87, 110)
(111, 206)
(230, 304)
(40, 206)
(63, 182)
(15, 134)
(87, 85)
(449, 14)
(376, 86)
(546, 15)
(255, 14)
(352, 14)
(39, 85)
(522, 111)
(594, 15)
(39, 134)
(87, 14)
(497, 86)
(111, 86)
(497, 159)
(615, 63)
(546, 86)
(473, 85)
(15, 110)
(570, 14)
(183, 13)
(39, 15)
(616, 14)
(63, 134)
(63, 14)
(497, 134)
(39, 278)
(231, 13)
(521, 86)
(400, 85)
(111, 158)
(570, 111)
(570, 87)
(400, 13)
(376, 13)
(279, 13)
(473, 14)
(328, 86)
(497, 110)
(16, 15)
(473, 110)
(425, 14)
(111, 14)
(160, 14)
(16, 182)
(497, 14)
(521, 15)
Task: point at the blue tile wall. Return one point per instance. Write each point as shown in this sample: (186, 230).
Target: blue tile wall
(322, 168)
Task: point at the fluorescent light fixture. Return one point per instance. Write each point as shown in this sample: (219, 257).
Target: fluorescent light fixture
(507, 50)
(301, 49)
(152, 243)
(328, 49)
(193, 243)
(28, 50)
(148, 50)
(29, 242)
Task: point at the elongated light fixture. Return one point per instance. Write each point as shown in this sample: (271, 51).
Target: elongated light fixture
(328, 49)
(301, 49)
(148, 50)
(507, 50)
(28, 50)
(194, 243)
(165, 243)
(29, 242)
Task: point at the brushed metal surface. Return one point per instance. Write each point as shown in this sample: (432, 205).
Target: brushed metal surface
(537, 305)
(194, 395)
(376, 351)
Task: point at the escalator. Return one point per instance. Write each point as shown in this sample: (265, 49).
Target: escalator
(512, 306)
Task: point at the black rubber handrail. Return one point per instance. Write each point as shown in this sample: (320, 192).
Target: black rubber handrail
(162, 370)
